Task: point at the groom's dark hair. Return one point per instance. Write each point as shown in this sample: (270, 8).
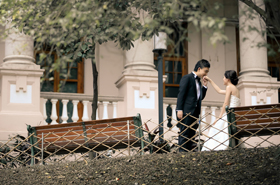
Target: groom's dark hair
(202, 63)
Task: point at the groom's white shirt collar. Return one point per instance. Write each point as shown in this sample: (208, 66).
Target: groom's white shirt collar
(194, 74)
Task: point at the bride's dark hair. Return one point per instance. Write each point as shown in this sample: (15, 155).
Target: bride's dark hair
(232, 76)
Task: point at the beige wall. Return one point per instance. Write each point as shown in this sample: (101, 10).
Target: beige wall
(110, 64)
(222, 57)
(230, 48)
(88, 79)
(110, 67)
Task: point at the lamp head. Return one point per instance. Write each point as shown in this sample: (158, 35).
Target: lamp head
(160, 42)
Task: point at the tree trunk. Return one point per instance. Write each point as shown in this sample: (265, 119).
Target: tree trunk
(95, 86)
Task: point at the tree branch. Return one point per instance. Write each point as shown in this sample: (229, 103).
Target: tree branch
(262, 13)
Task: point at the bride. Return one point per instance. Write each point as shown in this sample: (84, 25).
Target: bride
(218, 138)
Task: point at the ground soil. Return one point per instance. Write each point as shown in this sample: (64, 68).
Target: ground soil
(239, 166)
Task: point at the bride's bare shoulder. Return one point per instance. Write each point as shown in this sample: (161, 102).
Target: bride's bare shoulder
(234, 91)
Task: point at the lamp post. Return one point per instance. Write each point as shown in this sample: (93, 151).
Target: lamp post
(160, 47)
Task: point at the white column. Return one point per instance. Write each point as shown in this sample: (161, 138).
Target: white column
(54, 113)
(165, 121)
(20, 100)
(141, 56)
(143, 60)
(213, 112)
(174, 117)
(85, 111)
(45, 111)
(105, 109)
(255, 84)
(75, 116)
(253, 59)
(97, 117)
(64, 115)
(139, 80)
(165, 112)
(115, 109)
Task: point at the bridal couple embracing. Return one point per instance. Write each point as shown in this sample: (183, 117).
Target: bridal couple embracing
(191, 93)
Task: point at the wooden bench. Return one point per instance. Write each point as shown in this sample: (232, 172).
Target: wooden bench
(97, 135)
(257, 120)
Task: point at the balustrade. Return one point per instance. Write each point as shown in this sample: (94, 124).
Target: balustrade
(64, 107)
(209, 110)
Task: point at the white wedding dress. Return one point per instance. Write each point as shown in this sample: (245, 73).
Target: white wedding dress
(218, 138)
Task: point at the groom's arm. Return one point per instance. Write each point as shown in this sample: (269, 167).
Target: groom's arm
(204, 90)
(182, 93)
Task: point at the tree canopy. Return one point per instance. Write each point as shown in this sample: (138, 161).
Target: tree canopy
(72, 27)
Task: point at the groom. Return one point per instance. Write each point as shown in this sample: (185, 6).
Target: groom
(189, 101)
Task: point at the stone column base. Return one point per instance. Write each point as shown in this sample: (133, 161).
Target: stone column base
(13, 123)
(19, 98)
(258, 90)
(140, 92)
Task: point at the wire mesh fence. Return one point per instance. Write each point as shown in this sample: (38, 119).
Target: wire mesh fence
(254, 126)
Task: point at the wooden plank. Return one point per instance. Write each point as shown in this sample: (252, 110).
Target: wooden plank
(99, 147)
(100, 137)
(93, 130)
(92, 122)
(255, 116)
(89, 135)
(253, 121)
(79, 127)
(91, 142)
(99, 141)
(238, 113)
(105, 132)
(263, 132)
(258, 126)
(257, 107)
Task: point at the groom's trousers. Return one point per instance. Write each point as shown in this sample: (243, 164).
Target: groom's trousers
(186, 137)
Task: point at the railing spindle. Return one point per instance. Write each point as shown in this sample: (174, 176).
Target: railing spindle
(105, 109)
(64, 115)
(54, 114)
(85, 111)
(115, 109)
(75, 116)
(45, 110)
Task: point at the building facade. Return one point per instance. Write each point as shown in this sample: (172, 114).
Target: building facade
(128, 80)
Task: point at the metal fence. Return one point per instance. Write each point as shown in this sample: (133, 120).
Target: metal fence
(249, 127)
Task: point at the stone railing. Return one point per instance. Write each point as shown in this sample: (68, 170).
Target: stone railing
(71, 104)
(208, 109)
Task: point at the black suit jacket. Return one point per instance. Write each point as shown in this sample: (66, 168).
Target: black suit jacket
(187, 96)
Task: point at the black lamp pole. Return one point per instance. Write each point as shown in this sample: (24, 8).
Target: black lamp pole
(160, 94)
(160, 91)
(160, 48)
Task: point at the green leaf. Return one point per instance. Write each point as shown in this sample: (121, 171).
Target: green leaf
(68, 49)
(84, 47)
(79, 54)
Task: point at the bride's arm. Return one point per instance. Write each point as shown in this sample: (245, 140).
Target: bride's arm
(216, 87)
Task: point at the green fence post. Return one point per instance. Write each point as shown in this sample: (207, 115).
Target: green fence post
(33, 140)
(138, 122)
